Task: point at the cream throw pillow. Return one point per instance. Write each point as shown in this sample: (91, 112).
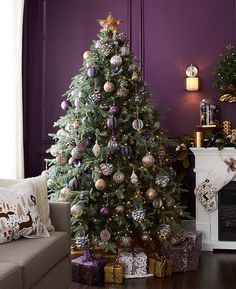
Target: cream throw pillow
(19, 216)
(40, 185)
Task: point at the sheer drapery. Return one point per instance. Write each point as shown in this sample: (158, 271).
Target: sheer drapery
(11, 113)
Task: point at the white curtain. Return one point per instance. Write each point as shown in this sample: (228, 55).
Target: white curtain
(11, 112)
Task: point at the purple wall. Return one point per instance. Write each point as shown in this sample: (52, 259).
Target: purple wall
(167, 35)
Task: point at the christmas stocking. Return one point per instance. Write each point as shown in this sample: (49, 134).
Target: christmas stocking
(220, 175)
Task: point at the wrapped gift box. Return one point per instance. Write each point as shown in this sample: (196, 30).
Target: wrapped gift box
(114, 273)
(160, 267)
(135, 263)
(186, 254)
(88, 270)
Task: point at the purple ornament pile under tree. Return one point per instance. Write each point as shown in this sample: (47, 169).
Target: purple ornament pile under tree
(109, 157)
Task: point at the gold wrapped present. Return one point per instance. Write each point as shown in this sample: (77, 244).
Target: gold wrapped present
(114, 273)
(151, 266)
(169, 267)
(160, 268)
(75, 252)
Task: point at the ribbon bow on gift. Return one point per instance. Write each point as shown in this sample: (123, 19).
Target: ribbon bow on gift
(231, 164)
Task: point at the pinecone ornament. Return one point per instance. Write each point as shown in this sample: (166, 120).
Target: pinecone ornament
(162, 180)
(106, 49)
(122, 92)
(95, 97)
(106, 169)
(138, 215)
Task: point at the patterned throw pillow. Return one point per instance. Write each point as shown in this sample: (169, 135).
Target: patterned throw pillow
(19, 215)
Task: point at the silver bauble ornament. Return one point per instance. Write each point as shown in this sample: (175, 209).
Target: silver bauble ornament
(126, 241)
(106, 169)
(138, 215)
(100, 184)
(148, 160)
(95, 97)
(96, 150)
(162, 180)
(109, 86)
(134, 178)
(157, 203)
(77, 210)
(105, 235)
(137, 124)
(112, 144)
(151, 194)
(64, 192)
(118, 177)
(116, 61)
(122, 92)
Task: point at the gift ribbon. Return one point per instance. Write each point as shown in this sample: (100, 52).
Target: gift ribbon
(115, 265)
(231, 164)
(89, 257)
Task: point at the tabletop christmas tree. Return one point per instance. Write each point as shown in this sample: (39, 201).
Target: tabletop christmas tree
(110, 157)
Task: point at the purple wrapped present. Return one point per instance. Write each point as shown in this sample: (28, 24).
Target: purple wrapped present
(186, 254)
(86, 269)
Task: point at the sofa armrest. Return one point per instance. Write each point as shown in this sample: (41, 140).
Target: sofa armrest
(60, 216)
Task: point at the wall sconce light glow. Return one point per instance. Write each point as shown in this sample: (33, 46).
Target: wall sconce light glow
(192, 79)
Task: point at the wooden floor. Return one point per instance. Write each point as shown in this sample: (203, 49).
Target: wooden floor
(216, 271)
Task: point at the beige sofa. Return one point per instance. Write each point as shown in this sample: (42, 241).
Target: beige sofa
(42, 263)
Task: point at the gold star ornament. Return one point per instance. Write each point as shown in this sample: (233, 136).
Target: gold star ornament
(110, 23)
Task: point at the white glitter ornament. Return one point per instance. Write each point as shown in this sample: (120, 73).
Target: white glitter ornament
(64, 192)
(106, 169)
(148, 160)
(116, 61)
(138, 215)
(75, 153)
(162, 180)
(134, 178)
(96, 150)
(61, 132)
(55, 150)
(126, 241)
(109, 86)
(124, 51)
(137, 124)
(118, 177)
(105, 235)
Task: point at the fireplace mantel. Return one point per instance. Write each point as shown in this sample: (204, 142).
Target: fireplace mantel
(207, 223)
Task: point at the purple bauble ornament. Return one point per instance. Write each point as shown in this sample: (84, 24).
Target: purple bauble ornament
(92, 72)
(105, 212)
(115, 110)
(74, 184)
(112, 123)
(119, 42)
(66, 104)
(126, 150)
(90, 143)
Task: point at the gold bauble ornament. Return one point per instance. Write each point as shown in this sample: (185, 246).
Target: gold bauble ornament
(116, 61)
(100, 184)
(76, 210)
(87, 54)
(109, 86)
(148, 160)
(110, 23)
(151, 194)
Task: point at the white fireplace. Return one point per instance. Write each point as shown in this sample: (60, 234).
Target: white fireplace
(207, 223)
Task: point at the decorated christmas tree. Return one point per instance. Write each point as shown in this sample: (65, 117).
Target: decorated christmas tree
(110, 155)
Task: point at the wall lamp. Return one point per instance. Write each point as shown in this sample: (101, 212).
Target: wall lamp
(192, 79)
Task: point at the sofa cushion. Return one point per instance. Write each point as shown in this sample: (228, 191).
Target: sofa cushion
(36, 256)
(10, 276)
(40, 184)
(19, 213)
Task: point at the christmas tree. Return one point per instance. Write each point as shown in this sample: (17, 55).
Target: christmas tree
(110, 158)
(225, 75)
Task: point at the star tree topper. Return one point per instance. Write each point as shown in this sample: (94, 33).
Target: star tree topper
(110, 23)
